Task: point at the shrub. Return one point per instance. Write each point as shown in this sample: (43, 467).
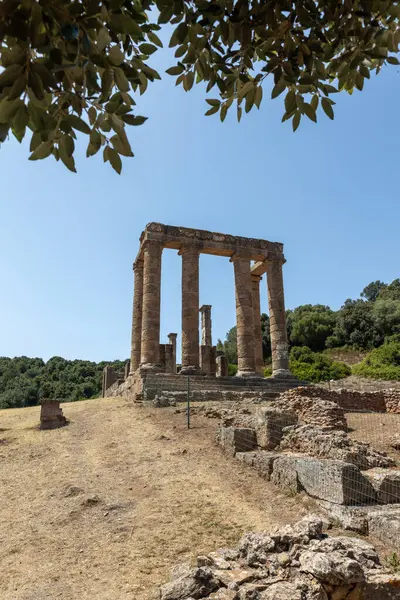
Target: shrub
(310, 366)
(267, 371)
(232, 369)
(381, 363)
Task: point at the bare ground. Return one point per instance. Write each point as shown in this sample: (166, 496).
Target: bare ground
(104, 507)
(378, 429)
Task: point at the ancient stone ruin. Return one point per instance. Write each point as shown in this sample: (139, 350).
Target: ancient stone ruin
(51, 415)
(297, 562)
(300, 443)
(251, 259)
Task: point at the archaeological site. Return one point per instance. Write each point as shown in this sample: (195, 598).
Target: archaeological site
(296, 436)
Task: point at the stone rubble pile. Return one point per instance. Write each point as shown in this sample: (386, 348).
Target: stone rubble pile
(297, 562)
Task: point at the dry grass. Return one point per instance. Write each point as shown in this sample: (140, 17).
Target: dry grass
(105, 507)
(378, 429)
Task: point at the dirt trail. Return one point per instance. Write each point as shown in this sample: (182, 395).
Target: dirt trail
(105, 507)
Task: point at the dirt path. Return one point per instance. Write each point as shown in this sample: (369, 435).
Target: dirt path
(105, 507)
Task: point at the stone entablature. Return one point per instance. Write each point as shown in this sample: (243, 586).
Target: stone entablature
(210, 242)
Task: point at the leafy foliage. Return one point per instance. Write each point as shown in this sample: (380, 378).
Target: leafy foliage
(310, 325)
(381, 363)
(73, 65)
(310, 366)
(355, 326)
(24, 381)
(372, 290)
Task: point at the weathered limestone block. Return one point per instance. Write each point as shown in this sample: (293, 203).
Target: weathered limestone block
(331, 480)
(235, 439)
(269, 423)
(385, 527)
(262, 461)
(386, 483)
(335, 481)
(51, 415)
(284, 474)
(283, 590)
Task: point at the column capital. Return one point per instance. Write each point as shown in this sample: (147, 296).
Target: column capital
(205, 307)
(240, 256)
(172, 336)
(255, 278)
(150, 245)
(189, 249)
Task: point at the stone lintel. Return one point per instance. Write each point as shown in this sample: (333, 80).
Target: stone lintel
(260, 267)
(209, 242)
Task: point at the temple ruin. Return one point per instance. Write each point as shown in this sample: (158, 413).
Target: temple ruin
(252, 259)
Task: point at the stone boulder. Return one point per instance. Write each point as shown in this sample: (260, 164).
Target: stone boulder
(237, 439)
(197, 583)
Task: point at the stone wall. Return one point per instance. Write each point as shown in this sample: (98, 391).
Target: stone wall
(384, 400)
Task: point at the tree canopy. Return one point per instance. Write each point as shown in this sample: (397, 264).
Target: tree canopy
(77, 65)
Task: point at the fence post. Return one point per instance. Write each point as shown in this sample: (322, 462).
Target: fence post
(188, 402)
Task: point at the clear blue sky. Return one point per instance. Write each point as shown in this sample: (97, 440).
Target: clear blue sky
(329, 192)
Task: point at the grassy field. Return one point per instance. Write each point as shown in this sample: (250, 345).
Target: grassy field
(105, 507)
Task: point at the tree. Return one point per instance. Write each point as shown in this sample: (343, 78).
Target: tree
(72, 65)
(310, 325)
(372, 290)
(355, 326)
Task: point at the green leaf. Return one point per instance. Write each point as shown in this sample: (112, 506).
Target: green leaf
(122, 146)
(92, 115)
(107, 82)
(116, 56)
(36, 140)
(250, 96)
(224, 111)
(239, 113)
(121, 80)
(42, 151)
(8, 109)
(213, 102)
(68, 160)
(327, 107)
(77, 123)
(308, 110)
(115, 160)
(147, 49)
(155, 39)
(245, 89)
(175, 70)
(212, 111)
(296, 120)
(132, 120)
(314, 102)
(179, 35)
(67, 145)
(278, 89)
(21, 119)
(125, 24)
(18, 87)
(3, 132)
(188, 81)
(103, 39)
(290, 100)
(258, 97)
(393, 60)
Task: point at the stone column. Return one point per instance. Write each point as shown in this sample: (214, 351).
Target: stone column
(258, 350)
(205, 311)
(190, 310)
(151, 306)
(221, 366)
(137, 315)
(172, 340)
(277, 320)
(244, 317)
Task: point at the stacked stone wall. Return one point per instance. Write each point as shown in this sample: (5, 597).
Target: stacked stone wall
(385, 400)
